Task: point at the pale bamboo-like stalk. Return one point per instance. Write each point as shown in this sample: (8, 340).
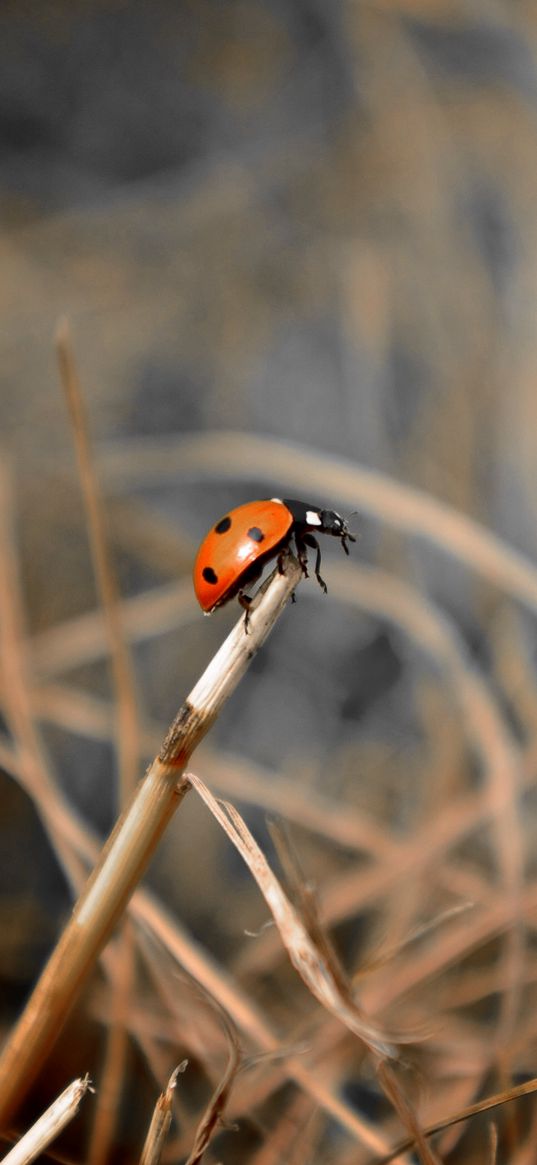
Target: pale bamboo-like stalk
(161, 1121)
(49, 1125)
(131, 846)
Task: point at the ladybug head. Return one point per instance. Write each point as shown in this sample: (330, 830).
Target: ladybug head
(332, 523)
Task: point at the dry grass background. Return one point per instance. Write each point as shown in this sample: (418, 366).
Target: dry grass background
(297, 248)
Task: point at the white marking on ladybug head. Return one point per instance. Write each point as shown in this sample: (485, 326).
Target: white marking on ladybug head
(313, 518)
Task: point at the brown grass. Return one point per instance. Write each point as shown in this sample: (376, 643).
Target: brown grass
(451, 926)
(353, 279)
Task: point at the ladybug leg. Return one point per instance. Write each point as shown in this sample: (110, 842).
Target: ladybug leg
(281, 561)
(245, 602)
(311, 541)
(345, 539)
(301, 553)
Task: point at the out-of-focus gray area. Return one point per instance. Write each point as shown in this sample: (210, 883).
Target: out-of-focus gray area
(315, 221)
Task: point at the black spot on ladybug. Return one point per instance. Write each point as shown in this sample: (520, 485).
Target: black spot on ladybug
(256, 534)
(209, 575)
(223, 525)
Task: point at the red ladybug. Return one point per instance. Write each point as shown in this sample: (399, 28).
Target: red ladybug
(234, 552)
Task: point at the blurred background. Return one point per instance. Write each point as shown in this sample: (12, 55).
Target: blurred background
(296, 244)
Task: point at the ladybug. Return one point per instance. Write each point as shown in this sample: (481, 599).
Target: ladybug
(234, 552)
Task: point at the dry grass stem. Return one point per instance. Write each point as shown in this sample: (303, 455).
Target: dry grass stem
(528, 1088)
(407, 1113)
(308, 959)
(127, 736)
(127, 733)
(131, 845)
(121, 977)
(214, 1112)
(50, 1124)
(249, 1019)
(161, 1121)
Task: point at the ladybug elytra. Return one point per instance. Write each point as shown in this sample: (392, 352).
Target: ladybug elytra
(234, 552)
